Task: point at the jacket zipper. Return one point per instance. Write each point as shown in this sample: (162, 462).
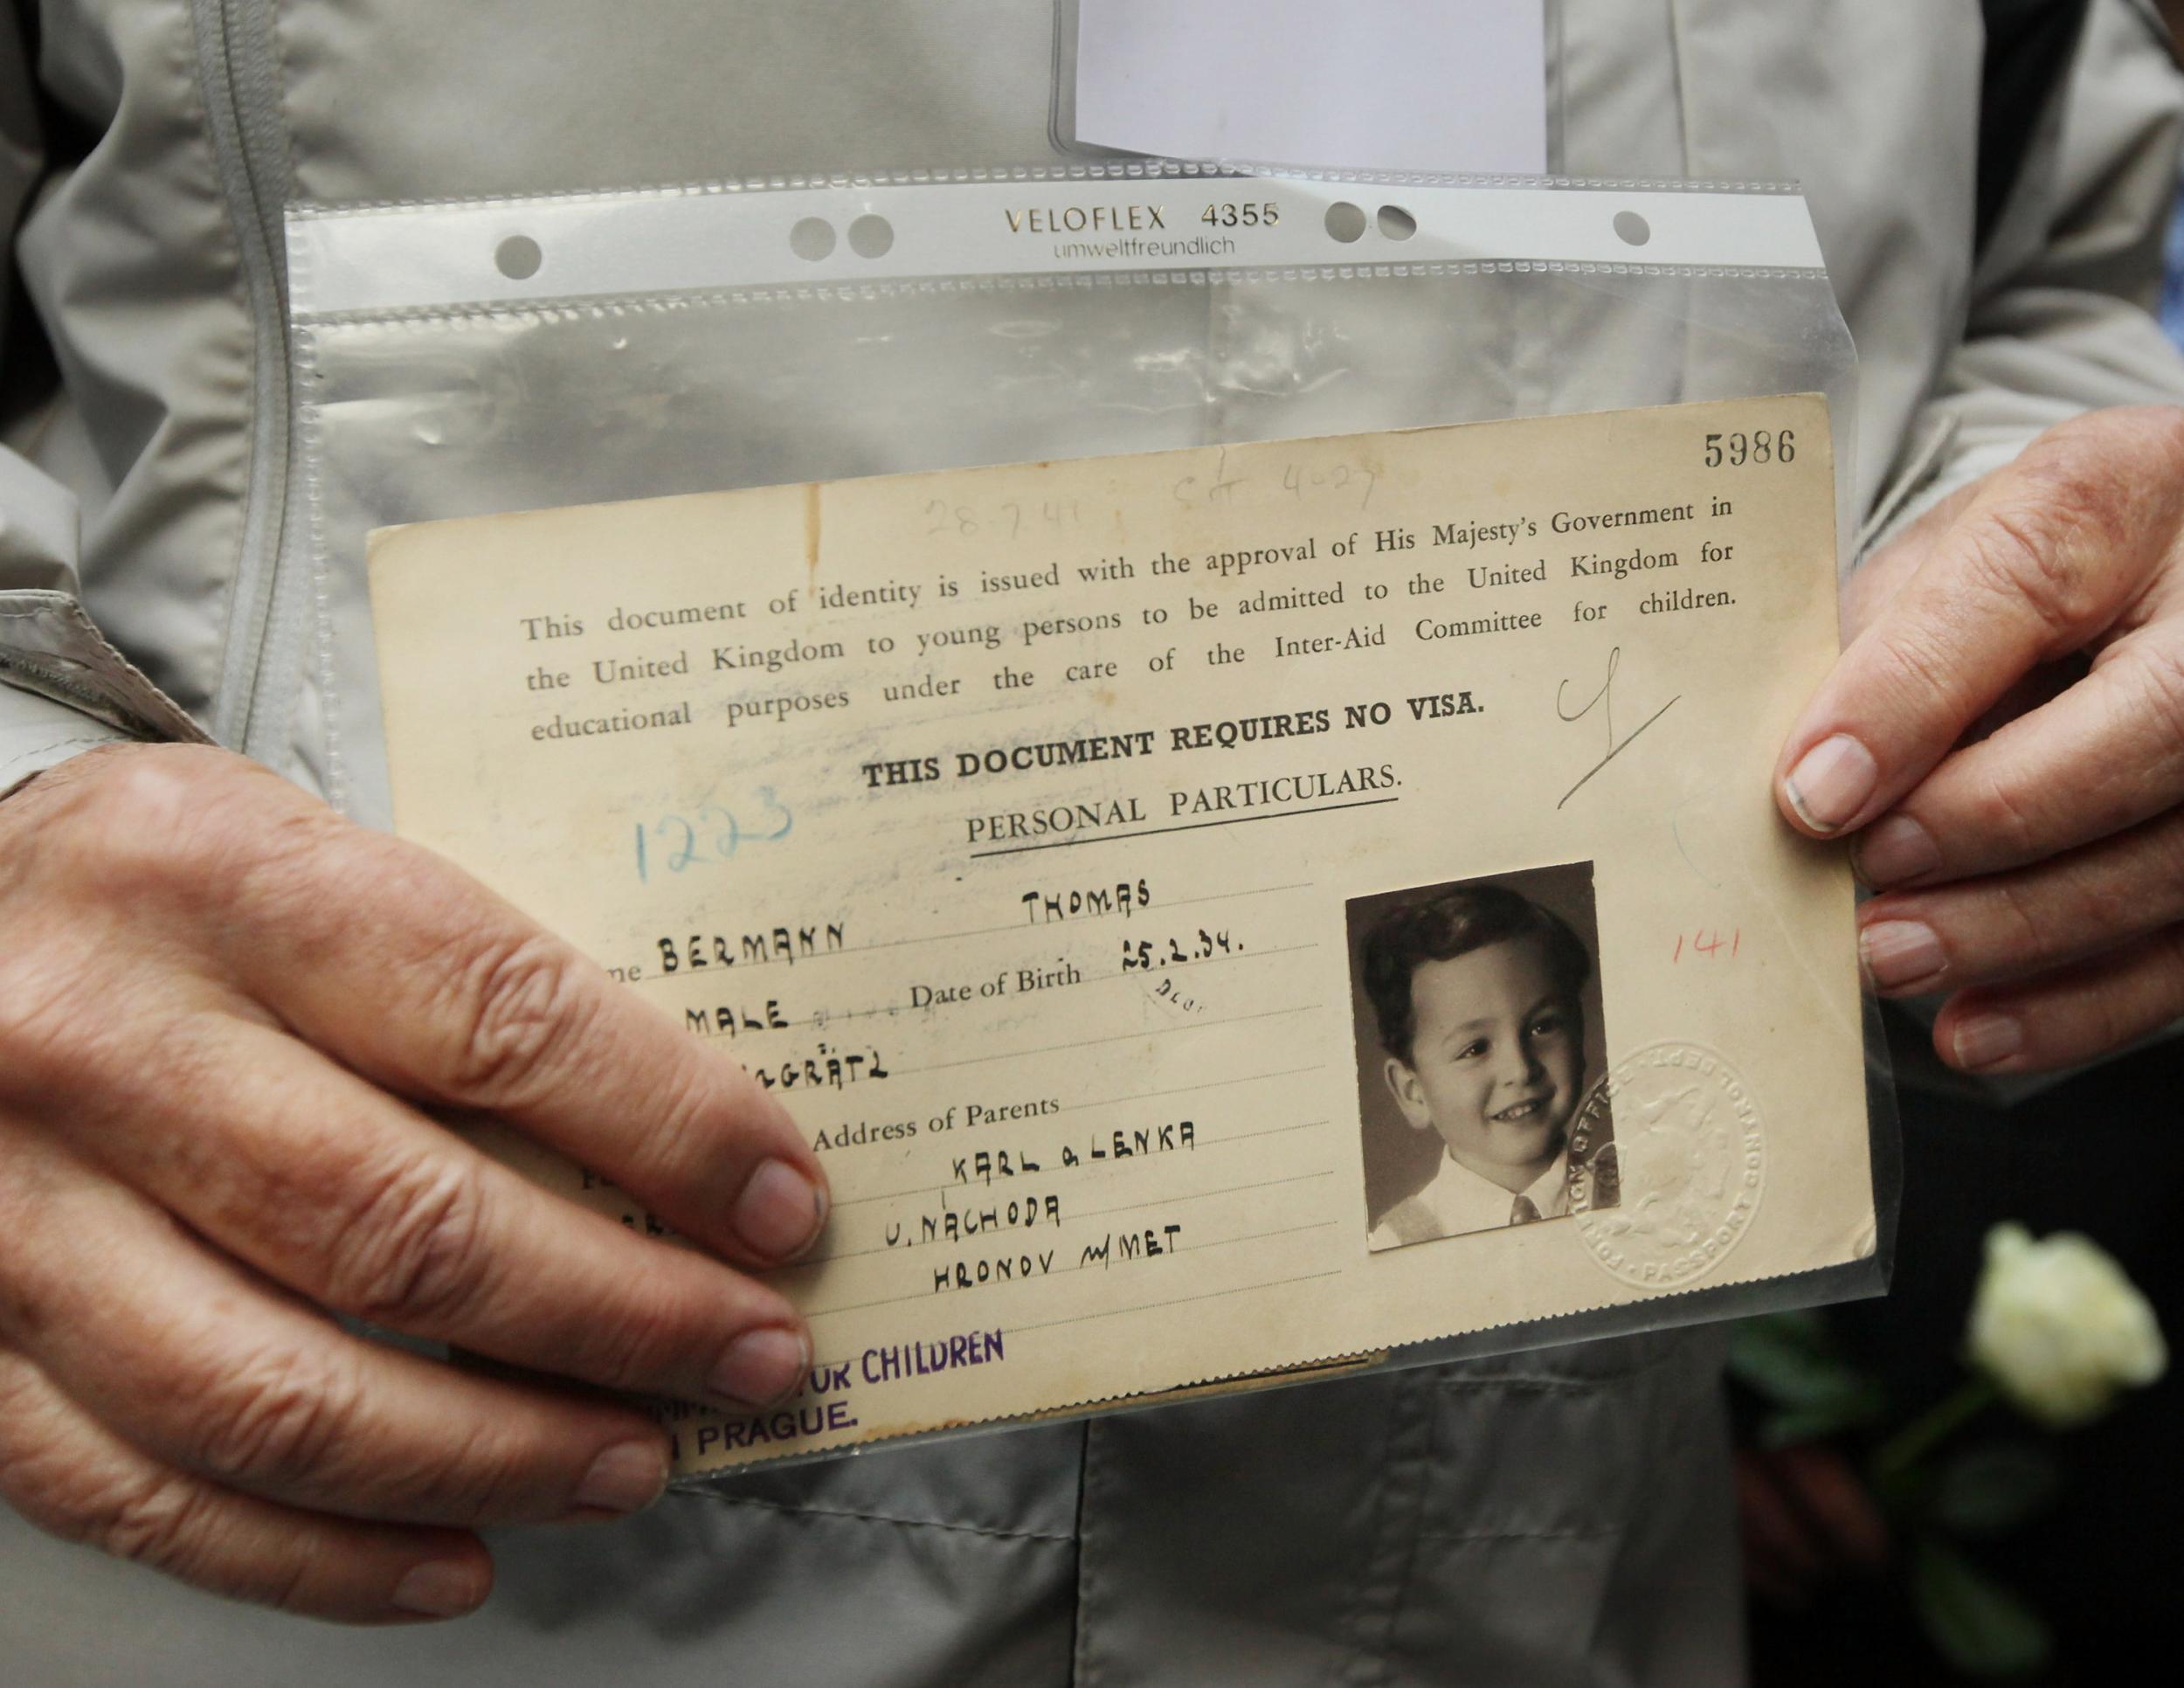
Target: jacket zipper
(241, 82)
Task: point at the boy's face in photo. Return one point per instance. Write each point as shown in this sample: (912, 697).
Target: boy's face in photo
(1497, 1060)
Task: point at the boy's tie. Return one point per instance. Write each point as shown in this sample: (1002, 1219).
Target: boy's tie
(1521, 1212)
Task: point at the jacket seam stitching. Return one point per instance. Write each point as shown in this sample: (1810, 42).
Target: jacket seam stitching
(1534, 1386)
(1376, 1598)
(86, 742)
(883, 1518)
(1400, 1594)
(1601, 1533)
(1576, 1384)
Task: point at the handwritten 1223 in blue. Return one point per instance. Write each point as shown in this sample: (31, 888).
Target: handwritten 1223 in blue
(709, 835)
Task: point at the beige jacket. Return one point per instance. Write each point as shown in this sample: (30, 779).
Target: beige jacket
(1561, 1516)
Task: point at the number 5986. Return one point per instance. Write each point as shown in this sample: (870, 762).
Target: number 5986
(1735, 449)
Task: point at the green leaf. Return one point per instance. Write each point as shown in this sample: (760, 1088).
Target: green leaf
(1977, 1625)
(1792, 1361)
(1991, 1489)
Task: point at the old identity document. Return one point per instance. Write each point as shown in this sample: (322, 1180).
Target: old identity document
(1213, 912)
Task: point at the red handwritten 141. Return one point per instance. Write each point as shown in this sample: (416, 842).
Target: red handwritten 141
(1708, 942)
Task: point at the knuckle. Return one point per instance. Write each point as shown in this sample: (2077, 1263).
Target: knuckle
(39, 1283)
(2105, 904)
(2122, 434)
(288, 1586)
(162, 1520)
(122, 1504)
(277, 1423)
(690, 1128)
(57, 1008)
(2161, 426)
(283, 871)
(2086, 478)
(181, 1064)
(641, 1345)
(2019, 926)
(519, 1001)
(292, 1431)
(88, 787)
(1910, 671)
(150, 1521)
(2165, 844)
(86, 1057)
(42, 1030)
(471, 1478)
(2028, 552)
(208, 820)
(178, 827)
(2159, 700)
(27, 1306)
(408, 1248)
(2004, 817)
(300, 873)
(145, 823)
(2113, 1021)
(40, 1477)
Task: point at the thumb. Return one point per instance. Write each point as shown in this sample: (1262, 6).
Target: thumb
(2038, 560)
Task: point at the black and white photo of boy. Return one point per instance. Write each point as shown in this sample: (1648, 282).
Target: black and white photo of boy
(1478, 1028)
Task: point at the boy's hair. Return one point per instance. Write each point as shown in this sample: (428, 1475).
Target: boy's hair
(1452, 922)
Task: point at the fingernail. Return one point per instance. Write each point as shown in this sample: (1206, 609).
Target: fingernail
(441, 1588)
(762, 1367)
(780, 1211)
(1987, 1040)
(1897, 849)
(1898, 954)
(626, 1478)
(1831, 782)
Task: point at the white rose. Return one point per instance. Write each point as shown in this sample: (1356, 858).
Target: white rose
(2059, 1327)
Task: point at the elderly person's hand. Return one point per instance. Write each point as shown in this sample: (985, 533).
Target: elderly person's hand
(228, 1019)
(2004, 736)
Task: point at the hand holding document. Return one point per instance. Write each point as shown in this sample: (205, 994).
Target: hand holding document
(1214, 912)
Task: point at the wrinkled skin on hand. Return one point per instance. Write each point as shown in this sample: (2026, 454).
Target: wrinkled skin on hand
(2003, 740)
(230, 1022)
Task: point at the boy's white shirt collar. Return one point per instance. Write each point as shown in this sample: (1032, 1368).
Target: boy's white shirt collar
(1460, 1200)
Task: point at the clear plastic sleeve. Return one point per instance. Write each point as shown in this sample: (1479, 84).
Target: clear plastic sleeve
(482, 357)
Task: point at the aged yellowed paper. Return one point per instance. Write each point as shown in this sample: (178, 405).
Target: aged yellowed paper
(1212, 911)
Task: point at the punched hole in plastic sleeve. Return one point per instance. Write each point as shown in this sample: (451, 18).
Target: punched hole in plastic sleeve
(518, 258)
(871, 236)
(811, 239)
